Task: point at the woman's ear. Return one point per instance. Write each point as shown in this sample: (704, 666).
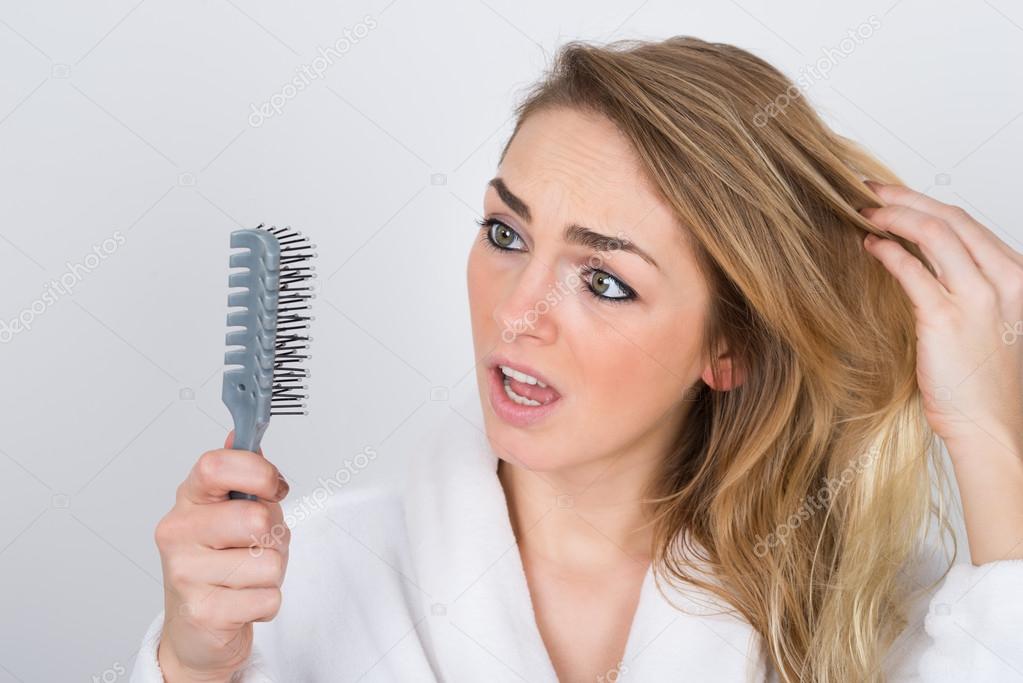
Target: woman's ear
(730, 374)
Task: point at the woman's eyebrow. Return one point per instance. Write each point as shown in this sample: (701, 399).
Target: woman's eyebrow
(579, 234)
(511, 199)
(574, 234)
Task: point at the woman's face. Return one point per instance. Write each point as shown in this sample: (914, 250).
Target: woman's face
(615, 334)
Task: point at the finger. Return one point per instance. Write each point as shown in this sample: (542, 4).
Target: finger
(245, 570)
(226, 609)
(955, 268)
(220, 471)
(923, 289)
(988, 250)
(238, 524)
(229, 442)
(236, 568)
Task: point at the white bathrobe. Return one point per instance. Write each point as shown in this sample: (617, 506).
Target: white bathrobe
(425, 583)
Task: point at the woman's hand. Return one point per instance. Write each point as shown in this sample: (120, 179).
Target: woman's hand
(223, 564)
(969, 324)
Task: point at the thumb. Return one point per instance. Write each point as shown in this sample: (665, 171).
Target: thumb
(229, 442)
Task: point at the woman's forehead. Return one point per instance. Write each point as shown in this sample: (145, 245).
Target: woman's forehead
(578, 148)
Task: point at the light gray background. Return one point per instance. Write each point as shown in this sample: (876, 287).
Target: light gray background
(133, 118)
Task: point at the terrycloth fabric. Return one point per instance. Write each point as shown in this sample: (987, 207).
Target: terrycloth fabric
(426, 583)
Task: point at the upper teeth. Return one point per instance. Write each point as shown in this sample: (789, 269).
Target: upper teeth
(521, 376)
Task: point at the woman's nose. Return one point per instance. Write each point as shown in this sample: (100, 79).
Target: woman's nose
(526, 309)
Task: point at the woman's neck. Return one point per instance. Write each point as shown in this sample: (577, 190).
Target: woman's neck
(583, 519)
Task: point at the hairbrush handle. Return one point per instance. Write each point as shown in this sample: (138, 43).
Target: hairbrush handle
(247, 435)
(248, 429)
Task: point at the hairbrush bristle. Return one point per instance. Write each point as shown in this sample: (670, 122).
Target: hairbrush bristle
(291, 342)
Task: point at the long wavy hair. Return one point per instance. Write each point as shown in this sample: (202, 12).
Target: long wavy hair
(802, 496)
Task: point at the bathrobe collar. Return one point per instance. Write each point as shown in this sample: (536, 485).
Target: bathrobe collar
(477, 612)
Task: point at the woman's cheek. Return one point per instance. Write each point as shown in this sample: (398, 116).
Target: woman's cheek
(480, 285)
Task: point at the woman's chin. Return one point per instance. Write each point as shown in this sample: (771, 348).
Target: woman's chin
(523, 450)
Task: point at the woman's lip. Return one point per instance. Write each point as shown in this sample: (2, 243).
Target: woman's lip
(498, 361)
(511, 412)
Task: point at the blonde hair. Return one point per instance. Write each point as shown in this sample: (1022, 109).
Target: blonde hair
(768, 197)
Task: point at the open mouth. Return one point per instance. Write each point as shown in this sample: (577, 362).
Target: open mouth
(525, 389)
(519, 395)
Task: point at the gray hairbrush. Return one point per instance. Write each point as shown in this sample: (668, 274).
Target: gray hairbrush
(264, 374)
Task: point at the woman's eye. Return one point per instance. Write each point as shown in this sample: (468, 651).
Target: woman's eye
(499, 235)
(600, 284)
(607, 287)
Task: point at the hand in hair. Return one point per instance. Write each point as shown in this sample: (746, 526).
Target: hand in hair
(969, 318)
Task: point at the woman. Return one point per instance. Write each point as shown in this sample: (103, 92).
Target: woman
(703, 445)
